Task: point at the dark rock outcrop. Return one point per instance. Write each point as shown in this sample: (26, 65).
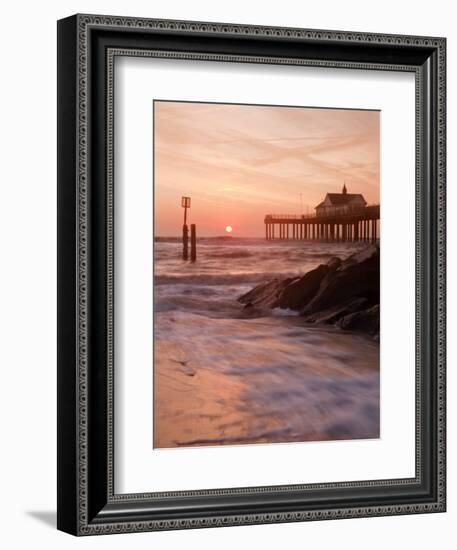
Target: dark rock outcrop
(333, 314)
(356, 277)
(345, 293)
(266, 294)
(366, 320)
(300, 291)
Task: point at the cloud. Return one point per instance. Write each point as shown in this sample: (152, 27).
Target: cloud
(245, 159)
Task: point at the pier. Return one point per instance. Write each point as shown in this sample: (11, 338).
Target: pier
(351, 224)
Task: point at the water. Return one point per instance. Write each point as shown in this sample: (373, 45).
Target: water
(227, 267)
(226, 375)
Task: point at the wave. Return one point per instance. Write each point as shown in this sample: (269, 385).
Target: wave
(222, 279)
(237, 253)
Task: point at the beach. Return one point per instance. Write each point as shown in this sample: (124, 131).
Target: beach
(225, 374)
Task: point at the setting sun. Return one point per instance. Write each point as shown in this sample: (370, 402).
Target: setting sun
(229, 229)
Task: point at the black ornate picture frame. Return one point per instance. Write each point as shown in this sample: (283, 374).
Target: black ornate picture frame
(87, 47)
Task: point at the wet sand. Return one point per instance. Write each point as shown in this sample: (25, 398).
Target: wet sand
(220, 381)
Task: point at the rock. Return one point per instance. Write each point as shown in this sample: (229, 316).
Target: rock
(345, 293)
(333, 314)
(366, 320)
(266, 294)
(357, 277)
(334, 263)
(298, 293)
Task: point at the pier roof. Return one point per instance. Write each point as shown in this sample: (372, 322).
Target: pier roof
(339, 199)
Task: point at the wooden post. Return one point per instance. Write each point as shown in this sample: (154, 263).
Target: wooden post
(185, 242)
(193, 243)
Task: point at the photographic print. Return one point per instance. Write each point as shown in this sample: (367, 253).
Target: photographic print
(266, 274)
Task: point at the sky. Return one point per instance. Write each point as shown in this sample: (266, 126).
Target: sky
(241, 162)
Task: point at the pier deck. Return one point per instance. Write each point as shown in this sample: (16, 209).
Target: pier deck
(355, 224)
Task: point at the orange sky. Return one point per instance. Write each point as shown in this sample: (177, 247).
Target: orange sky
(240, 162)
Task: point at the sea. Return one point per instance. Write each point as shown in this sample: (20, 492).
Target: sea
(295, 381)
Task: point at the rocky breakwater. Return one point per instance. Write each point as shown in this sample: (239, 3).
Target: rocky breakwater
(341, 292)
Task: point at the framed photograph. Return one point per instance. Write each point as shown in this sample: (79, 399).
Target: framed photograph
(251, 274)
